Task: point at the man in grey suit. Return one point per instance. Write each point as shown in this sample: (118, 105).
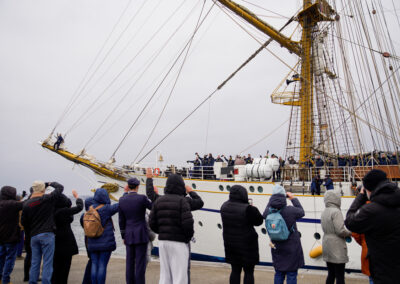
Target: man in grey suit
(134, 231)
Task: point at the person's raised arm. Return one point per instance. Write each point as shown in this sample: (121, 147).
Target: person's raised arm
(79, 204)
(195, 200)
(254, 216)
(150, 191)
(58, 189)
(299, 211)
(358, 218)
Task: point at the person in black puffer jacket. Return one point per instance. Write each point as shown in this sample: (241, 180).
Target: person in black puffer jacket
(192, 197)
(172, 220)
(287, 256)
(66, 245)
(379, 220)
(9, 231)
(240, 237)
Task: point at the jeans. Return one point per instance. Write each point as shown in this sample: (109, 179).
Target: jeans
(8, 254)
(370, 280)
(87, 277)
(99, 266)
(42, 245)
(291, 277)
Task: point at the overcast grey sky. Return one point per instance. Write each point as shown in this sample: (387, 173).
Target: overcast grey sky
(47, 47)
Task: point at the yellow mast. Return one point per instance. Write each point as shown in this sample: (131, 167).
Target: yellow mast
(308, 18)
(306, 89)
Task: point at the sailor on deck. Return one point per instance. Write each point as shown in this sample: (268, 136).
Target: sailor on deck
(319, 163)
(230, 162)
(342, 161)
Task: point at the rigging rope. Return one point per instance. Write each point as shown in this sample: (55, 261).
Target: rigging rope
(145, 68)
(126, 66)
(152, 96)
(127, 93)
(72, 100)
(216, 90)
(265, 137)
(176, 81)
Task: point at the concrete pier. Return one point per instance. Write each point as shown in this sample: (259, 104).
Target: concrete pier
(201, 273)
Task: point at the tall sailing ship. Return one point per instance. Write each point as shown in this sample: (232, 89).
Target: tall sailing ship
(344, 101)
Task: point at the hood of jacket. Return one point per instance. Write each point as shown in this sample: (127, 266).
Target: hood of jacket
(63, 202)
(332, 199)
(387, 194)
(8, 193)
(239, 194)
(277, 201)
(175, 185)
(101, 196)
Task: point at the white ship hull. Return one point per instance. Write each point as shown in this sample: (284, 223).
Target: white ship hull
(208, 242)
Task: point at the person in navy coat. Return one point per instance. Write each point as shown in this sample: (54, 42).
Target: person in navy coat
(134, 231)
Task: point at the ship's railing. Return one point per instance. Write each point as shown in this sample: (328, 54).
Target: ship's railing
(206, 172)
(337, 174)
(392, 171)
(287, 173)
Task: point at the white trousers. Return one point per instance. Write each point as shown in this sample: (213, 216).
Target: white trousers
(174, 260)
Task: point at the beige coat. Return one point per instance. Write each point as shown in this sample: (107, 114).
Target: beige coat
(334, 248)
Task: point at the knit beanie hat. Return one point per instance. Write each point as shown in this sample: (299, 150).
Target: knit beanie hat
(278, 189)
(373, 178)
(38, 186)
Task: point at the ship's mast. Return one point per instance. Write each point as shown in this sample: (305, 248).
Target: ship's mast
(308, 18)
(306, 89)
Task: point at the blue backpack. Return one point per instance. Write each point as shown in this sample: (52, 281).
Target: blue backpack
(276, 226)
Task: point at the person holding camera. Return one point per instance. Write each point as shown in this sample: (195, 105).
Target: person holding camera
(379, 221)
(287, 255)
(240, 238)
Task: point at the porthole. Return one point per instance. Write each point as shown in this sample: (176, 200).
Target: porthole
(317, 236)
(251, 188)
(228, 188)
(200, 224)
(260, 189)
(194, 185)
(221, 187)
(264, 231)
(219, 226)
